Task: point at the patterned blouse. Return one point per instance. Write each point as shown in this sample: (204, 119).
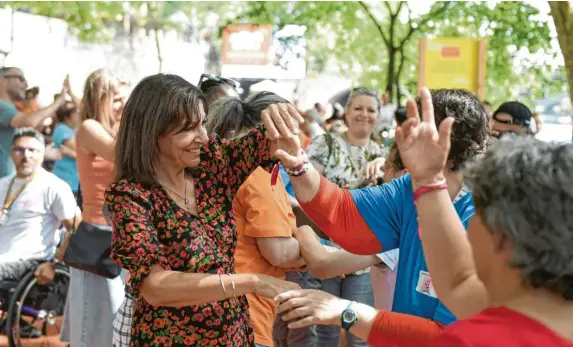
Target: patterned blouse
(149, 228)
(343, 163)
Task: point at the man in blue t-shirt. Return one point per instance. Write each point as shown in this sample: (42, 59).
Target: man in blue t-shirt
(12, 90)
(372, 219)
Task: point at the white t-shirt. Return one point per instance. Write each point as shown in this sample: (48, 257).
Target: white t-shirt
(29, 231)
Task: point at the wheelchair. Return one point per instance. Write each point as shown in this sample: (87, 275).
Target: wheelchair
(29, 310)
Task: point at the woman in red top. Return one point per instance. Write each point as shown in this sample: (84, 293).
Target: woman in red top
(510, 278)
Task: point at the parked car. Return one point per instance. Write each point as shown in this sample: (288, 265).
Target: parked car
(556, 114)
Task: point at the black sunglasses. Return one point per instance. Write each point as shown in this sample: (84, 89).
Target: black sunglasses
(20, 77)
(209, 77)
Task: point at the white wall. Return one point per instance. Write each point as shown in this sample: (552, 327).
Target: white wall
(46, 52)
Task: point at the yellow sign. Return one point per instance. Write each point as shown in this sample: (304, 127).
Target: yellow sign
(453, 63)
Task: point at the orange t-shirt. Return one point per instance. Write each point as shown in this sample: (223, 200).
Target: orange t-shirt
(261, 211)
(304, 140)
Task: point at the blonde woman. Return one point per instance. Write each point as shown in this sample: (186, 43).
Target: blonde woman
(93, 300)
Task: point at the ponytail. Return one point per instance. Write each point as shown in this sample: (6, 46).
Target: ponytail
(229, 116)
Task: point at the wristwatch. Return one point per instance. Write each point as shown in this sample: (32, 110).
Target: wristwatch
(348, 317)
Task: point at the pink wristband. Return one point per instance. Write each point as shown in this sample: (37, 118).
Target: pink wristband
(426, 189)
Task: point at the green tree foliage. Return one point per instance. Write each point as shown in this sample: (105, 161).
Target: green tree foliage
(376, 43)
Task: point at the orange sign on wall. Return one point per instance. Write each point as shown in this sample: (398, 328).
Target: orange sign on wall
(246, 44)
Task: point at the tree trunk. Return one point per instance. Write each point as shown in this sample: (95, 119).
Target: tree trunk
(158, 46)
(562, 14)
(391, 73)
(398, 74)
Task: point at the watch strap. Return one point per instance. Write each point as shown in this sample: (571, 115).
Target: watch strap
(348, 324)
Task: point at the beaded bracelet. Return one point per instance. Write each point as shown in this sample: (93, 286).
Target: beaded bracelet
(301, 168)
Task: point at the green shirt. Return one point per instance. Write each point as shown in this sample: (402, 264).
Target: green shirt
(7, 112)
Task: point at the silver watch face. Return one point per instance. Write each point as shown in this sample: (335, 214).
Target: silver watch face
(348, 316)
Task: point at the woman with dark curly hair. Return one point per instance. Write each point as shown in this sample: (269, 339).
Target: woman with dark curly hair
(373, 219)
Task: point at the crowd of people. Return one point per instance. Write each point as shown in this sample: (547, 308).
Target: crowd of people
(253, 223)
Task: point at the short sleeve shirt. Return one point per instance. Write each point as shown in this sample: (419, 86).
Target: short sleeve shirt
(65, 168)
(390, 213)
(261, 211)
(7, 112)
(343, 163)
(34, 217)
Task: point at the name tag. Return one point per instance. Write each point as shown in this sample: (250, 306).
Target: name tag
(425, 285)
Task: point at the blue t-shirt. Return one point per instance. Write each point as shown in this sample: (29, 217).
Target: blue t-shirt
(65, 168)
(7, 112)
(390, 213)
(286, 180)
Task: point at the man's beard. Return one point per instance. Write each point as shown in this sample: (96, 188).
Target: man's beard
(26, 171)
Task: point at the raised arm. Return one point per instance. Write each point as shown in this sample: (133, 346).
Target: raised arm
(95, 139)
(448, 254)
(136, 248)
(246, 153)
(21, 120)
(337, 212)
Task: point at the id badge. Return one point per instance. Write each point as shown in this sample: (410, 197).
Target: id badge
(425, 285)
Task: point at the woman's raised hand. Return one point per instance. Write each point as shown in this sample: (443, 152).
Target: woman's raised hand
(423, 148)
(281, 122)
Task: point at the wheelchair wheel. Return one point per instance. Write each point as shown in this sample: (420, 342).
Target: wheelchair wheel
(35, 312)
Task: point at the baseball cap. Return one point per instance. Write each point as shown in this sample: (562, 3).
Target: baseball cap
(520, 114)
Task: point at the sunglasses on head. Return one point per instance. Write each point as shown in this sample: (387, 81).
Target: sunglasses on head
(209, 77)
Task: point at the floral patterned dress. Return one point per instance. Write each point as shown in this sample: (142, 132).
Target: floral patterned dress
(151, 229)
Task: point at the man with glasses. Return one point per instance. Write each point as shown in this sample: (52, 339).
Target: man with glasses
(34, 205)
(13, 87)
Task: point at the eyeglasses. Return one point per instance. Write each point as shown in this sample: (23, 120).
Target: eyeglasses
(20, 77)
(209, 77)
(22, 150)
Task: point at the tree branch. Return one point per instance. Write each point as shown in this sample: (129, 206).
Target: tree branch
(380, 30)
(420, 24)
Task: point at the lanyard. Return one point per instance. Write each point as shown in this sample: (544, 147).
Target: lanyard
(10, 199)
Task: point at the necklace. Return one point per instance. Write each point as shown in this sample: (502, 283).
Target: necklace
(184, 198)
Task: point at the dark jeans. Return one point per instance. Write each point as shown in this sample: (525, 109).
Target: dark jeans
(303, 337)
(14, 271)
(354, 288)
